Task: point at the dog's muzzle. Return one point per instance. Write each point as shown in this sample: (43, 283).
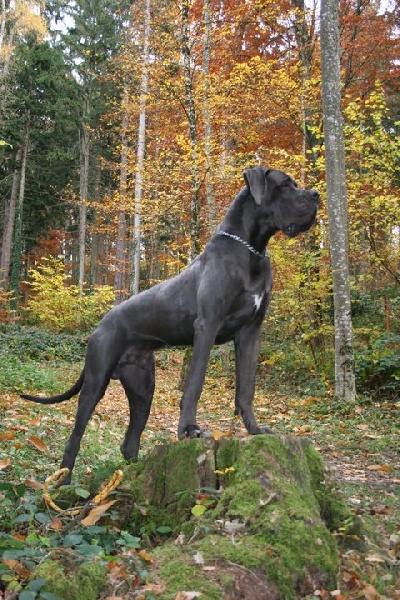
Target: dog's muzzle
(295, 228)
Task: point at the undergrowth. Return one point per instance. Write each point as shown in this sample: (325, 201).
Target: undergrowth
(353, 438)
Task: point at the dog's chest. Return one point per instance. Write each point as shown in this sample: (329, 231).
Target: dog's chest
(258, 298)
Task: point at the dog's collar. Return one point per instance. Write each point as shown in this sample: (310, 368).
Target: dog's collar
(248, 246)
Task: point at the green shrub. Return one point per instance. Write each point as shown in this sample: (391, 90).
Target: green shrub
(57, 304)
(22, 348)
(32, 343)
(378, 366)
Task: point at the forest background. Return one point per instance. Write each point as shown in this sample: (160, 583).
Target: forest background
(124, 131)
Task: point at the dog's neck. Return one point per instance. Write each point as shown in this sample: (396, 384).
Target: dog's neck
(243, 220)
(237, 238)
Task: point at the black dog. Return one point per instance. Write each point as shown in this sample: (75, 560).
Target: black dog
(222, 295)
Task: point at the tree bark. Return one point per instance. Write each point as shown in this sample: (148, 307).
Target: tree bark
(305, 42)
(191, 115)
(207, 119)
(17, 241)
(141, 152)
(2, 24)
(83, 190)
(337, 200)
(9, 221)
(263, 502)
(120, 244)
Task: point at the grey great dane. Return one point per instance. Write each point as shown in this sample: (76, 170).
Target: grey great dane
(221, 296)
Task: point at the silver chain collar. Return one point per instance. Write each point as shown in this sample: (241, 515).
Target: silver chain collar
(248, 246)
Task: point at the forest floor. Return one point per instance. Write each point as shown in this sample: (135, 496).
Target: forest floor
(359, 442)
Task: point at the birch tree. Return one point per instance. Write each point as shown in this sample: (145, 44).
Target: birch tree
(207, 118)
(193, 135)
(120, 243)
(337, 200)
(141, 151)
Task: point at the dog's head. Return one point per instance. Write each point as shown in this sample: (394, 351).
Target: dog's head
(289, 208)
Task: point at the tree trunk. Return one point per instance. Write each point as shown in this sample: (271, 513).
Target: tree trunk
(17, 241)
(141, 152)
(337, 200)
(8, 52)
(247, 519)
(120, 244)
(2, 24)
(207, 119)
(191, 115)
(83, 191)
(9, 221)
(267, 512)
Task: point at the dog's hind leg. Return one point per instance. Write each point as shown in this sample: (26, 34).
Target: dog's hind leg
(138, 380)
(92, 391)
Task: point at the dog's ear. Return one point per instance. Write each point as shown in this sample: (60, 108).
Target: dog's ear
(256, 181)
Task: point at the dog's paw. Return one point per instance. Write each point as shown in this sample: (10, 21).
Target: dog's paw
(262, 430)
(190, 431)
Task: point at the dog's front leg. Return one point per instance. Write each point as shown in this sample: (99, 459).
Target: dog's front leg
(203, 342)
(247, 343)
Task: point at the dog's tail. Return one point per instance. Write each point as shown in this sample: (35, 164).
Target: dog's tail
(61, 397)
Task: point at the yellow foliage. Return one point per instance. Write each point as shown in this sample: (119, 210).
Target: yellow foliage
(29, 18)
(57, 304)
(25, 17)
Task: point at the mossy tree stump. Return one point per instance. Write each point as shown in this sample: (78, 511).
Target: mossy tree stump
(265, 533)
(269, 533)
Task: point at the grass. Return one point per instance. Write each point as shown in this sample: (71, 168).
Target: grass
(359, 443)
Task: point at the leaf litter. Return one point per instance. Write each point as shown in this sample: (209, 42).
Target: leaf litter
(360, 449)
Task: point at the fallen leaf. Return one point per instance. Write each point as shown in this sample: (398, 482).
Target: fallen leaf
(118, 570)
(156, 588)
(146, 556)
(6, 462)
(56, 524)
(7, 435)
(370, 593)
(96, 513)
(198, 558)
(15, 565)
(385, 468)
(36, 485)
(375, 558)
(198, 510)
(38, 443)
(187, 595)
(180, 539)
(351, 578)
(217, 435)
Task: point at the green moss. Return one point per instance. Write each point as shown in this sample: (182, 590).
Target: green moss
(180, 573)
(227, 453)
(163, 484)
(333, 508)
(268, 519)
(83, 583)
(246, 550)
(280, 531)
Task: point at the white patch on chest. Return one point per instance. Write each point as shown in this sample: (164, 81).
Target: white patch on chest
(258, 298)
